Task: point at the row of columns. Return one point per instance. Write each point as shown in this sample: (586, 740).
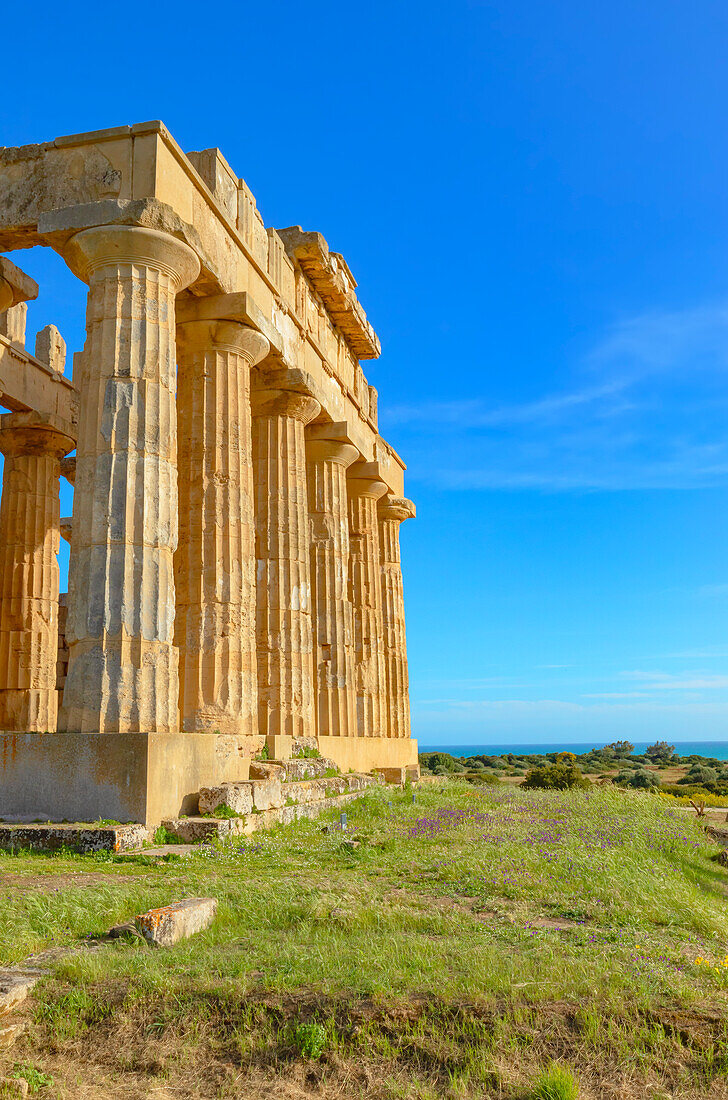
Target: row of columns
(265, 595)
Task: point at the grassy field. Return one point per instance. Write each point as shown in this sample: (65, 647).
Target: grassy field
(479, 942)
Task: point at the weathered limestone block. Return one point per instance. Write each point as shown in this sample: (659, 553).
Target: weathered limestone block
(50, 348)
(80, 838)
(392, 775)
(285, 640)
(307, 768)
(29, 574)
(166, 926)
(15, 986)
(123, 669)
(392, 511)
(15, 285)
(215, 560)
(237, 796)
(333, 624)
(365, 489)
(12, 324)
(9, 1035)
(14, 1088)
(260, 769)
(195, 830)
(267, 793)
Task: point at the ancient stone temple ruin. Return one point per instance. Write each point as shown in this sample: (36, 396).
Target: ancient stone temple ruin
(235, 581)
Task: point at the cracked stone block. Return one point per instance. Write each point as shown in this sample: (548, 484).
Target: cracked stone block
(267, 794)
(238, 796)
(171, 923)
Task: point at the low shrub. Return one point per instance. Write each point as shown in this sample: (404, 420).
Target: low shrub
(641, 779)
(558, 777)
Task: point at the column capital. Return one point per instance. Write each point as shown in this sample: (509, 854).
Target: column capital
(364, 480)
(275, 402)
(116, 245)
(331, 450)
(223, 335)
(32, 433)
(15, 285)
(396, 508)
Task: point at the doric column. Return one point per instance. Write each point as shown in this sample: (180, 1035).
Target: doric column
(333, 628)
(365, 488)
(33, 446)
(285, 646)
(123, 674)
(392, 510)
(215, 561)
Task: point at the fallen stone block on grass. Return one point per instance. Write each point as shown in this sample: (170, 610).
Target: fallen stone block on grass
(166, 926)
(15, 985)
(13, 1088)
(9, 1034)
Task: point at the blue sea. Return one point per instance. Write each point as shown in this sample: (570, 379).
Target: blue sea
(716, 749)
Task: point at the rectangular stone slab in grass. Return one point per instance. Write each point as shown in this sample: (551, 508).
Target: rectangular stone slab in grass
(166, 926)
(15, 985)
(81, 837)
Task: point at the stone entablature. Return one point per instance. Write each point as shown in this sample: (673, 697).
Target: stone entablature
(235, 580)
(300, 295)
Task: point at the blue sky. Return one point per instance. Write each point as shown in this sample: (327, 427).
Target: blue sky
(533, 200)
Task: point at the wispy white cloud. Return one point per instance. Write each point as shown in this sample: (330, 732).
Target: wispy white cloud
(651, 681)
(646, 410)
(615, 695)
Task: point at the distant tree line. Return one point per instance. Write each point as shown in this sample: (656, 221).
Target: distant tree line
(564, 770)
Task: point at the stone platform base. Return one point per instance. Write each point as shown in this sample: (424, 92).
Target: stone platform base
(365, 754)
(124, 777)
(79, 837)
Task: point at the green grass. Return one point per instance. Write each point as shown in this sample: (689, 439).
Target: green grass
(556, 1083)
(518, 926)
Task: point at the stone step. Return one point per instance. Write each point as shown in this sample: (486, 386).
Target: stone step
(259, 795)
(79, 836)
(193, 830)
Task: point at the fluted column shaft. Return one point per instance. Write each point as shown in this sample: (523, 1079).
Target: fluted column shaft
(392, 511)
(333, 626)
(285, 641)
(365, 593)
(123, 669)
(215, 560)
(29, 576)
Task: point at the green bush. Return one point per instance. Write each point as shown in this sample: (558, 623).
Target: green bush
(660, 752)
(559, 777)
(311, 1040)
(641, 779)
(482, 778)
(700, 775)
